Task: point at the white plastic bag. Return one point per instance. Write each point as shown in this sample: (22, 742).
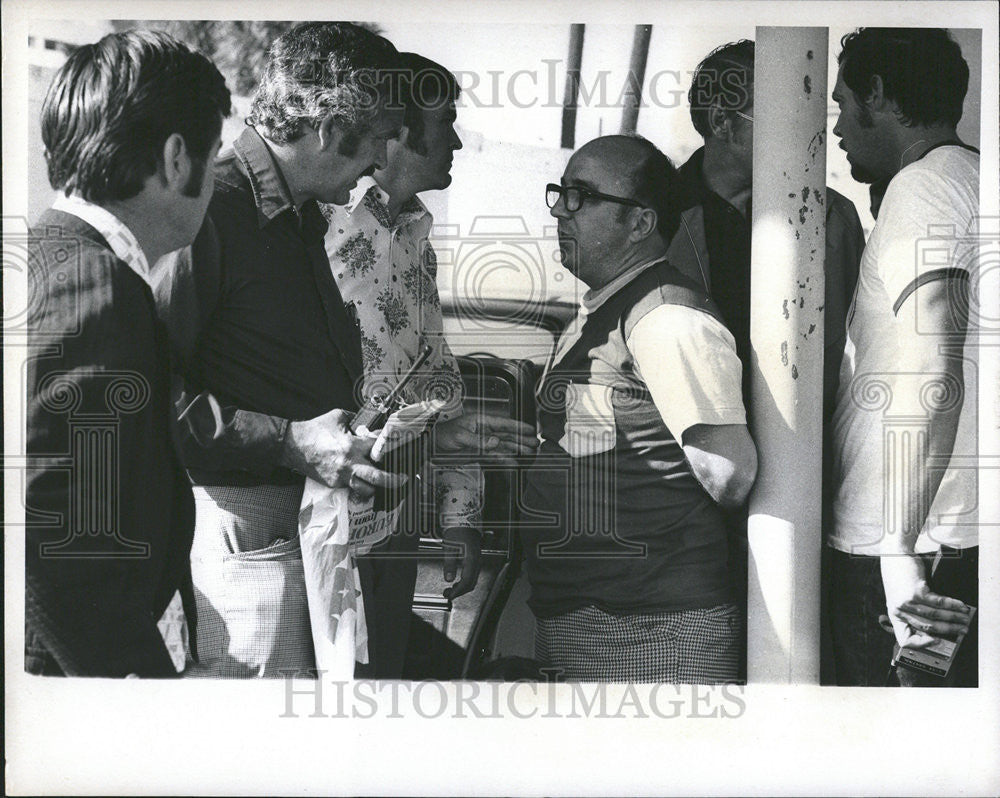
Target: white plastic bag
(333, 530)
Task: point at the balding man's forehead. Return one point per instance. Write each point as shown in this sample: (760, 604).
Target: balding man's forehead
(605, 165)
(598, 174)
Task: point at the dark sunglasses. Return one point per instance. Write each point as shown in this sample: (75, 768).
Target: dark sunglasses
(573, 197)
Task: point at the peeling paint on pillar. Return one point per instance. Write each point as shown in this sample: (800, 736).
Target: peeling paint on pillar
(786, 404)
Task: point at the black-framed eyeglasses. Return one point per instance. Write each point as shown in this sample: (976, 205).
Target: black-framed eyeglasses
(573, 197)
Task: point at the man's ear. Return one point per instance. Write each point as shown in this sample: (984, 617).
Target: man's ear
(876, 100)
(644, 223)
(403, 139)
(330, 133)
(176, 166)
(718, 120)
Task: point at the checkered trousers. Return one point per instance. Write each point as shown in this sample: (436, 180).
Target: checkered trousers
(699, 646)
(246, 563)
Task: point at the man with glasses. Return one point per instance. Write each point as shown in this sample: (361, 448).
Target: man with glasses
(644, 443)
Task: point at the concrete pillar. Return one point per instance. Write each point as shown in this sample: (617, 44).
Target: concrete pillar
(786, 329)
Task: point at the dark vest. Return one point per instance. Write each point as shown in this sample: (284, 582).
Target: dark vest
(623, 525)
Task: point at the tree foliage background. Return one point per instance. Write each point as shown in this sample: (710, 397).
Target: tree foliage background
(238, 47)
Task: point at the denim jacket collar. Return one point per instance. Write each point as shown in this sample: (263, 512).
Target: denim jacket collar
(270, 191)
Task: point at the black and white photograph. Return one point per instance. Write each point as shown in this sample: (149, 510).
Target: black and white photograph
(447, 398)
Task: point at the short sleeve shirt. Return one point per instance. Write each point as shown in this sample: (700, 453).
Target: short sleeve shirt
(924, 232)
(689, 363)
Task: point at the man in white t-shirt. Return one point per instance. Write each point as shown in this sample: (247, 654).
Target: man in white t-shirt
(904, 534)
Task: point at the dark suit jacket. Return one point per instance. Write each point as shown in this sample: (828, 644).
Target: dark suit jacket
(109, 512)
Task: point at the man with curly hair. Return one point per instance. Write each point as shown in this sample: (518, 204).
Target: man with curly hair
(273, 355)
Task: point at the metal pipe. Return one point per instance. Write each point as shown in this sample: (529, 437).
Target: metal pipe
(786, 330)
(572, 90)
(636, 77)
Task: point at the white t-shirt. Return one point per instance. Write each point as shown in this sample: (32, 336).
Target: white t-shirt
(925, 225)
(686, 358)
(689, 363)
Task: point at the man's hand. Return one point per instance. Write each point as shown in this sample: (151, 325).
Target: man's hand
(484, 436)
(918, 615)
(461, 544)
(324, 449)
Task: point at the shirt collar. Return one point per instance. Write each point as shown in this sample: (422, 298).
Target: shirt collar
(270, 191)
(596, 297)
(369, 194)
(114, 231)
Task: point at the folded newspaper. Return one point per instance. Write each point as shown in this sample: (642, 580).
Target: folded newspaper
(334, 528)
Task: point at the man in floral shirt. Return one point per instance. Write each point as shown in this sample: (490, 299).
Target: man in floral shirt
(384, 265)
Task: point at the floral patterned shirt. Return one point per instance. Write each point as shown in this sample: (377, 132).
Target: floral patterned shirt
(388, 271)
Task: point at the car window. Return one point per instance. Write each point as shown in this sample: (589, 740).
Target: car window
(505, 328)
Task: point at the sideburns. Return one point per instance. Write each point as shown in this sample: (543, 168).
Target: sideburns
(865, 118)
(348, 144)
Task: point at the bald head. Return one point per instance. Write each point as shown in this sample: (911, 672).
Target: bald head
(640, 171)
(628, 212)
(620, 153)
